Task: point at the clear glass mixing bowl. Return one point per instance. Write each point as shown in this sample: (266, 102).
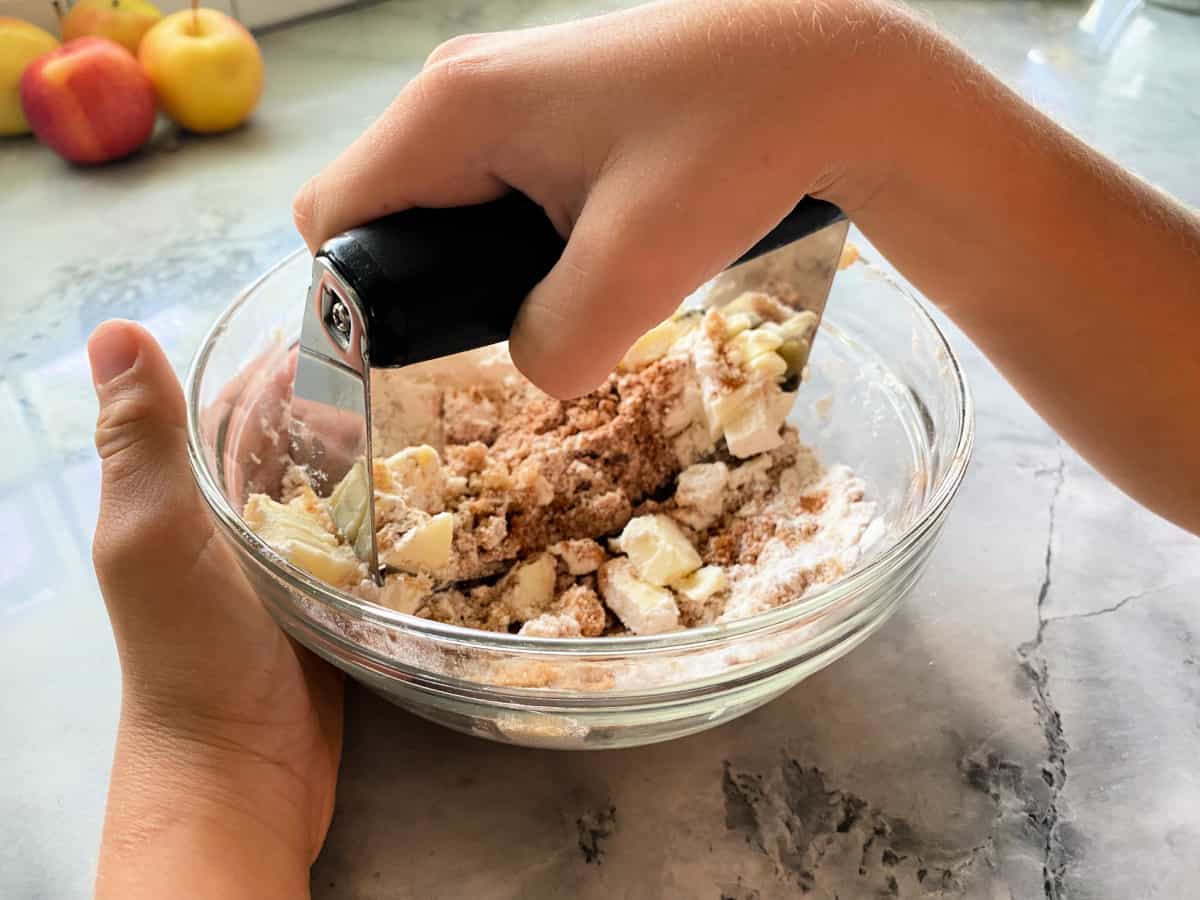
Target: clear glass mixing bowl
(885, 395)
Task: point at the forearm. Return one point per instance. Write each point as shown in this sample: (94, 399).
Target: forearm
(187, 820)
(665, 138)
(1081, 283)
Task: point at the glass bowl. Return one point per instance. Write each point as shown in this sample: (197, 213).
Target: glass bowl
(885, 395)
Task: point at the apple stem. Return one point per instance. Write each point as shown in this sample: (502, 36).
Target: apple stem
(195, 17)
(59, 12)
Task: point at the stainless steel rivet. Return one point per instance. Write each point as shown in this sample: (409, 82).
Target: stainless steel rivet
(339, 318)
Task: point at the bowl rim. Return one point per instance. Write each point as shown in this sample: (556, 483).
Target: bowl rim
(457, 635)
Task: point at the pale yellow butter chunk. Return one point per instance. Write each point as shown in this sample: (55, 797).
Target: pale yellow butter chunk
(802, 325)
(757, 306)
(405, 593)
(303, 540)
(747, 345)
(750, 417)
(736, 323)
(416, 473)
(657, 342)
(754, 426)
(703, 584)
(771, 366)
(642, 607)
(528, 589)
(423, 548)
(349, 502)
(798, 332)
(658, 549)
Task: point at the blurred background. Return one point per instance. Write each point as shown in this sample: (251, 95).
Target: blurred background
(251, 13)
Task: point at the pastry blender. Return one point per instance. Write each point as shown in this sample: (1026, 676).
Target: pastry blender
(426, 283)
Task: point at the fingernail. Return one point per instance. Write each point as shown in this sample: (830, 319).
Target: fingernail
(112, 349)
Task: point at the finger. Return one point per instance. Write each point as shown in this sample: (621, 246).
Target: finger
(630, 261)
(151, 516)
(431, 147)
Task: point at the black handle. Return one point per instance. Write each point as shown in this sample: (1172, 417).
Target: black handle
(807, 217)
(439, 281)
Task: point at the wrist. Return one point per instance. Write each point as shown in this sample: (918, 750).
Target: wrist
(868, 65)
(186, 807)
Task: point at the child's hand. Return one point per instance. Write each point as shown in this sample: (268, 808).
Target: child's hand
(230, 735)
(664, 139)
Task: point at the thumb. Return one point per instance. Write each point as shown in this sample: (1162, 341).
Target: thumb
(151, 517)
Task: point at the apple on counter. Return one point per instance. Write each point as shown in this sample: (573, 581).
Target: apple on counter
(89, 100)
(123, 21)
(205, 67)
(95, 98)
(20, 44)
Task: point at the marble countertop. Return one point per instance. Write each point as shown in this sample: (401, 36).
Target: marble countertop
(1026, 726)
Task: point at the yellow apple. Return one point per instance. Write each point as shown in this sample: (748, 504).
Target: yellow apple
(20, 44)
(205, 67)
(123, 21)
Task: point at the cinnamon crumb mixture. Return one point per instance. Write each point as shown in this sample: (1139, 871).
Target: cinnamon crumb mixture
(672, 496)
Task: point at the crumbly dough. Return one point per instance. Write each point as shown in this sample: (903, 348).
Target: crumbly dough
(672, 496)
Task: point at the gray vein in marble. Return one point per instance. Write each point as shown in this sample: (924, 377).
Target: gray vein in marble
(1116, 607)
(1033, 664)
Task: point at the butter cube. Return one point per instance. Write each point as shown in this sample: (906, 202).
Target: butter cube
(417, 472)
(736, 323)
(744, 347)
(349, 502)
(702, 584)
(405, 593)
(803, 325)
(770, 366)
(528, 589)
(423, 548)
(754, 428)
(762, 308)
(658, 549)
(642, 607)
(655, 343)
(302, 539)
(723, 406)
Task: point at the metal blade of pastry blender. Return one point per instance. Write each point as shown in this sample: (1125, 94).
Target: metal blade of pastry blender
(425, 283)
(329, 433)
(799, 274)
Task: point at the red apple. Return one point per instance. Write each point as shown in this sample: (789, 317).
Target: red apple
(89, 100)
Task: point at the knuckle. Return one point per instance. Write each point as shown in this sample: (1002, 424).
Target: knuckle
(119, 424)
(453, 47)
(457, 77)
(134, 440)
(305, 208)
